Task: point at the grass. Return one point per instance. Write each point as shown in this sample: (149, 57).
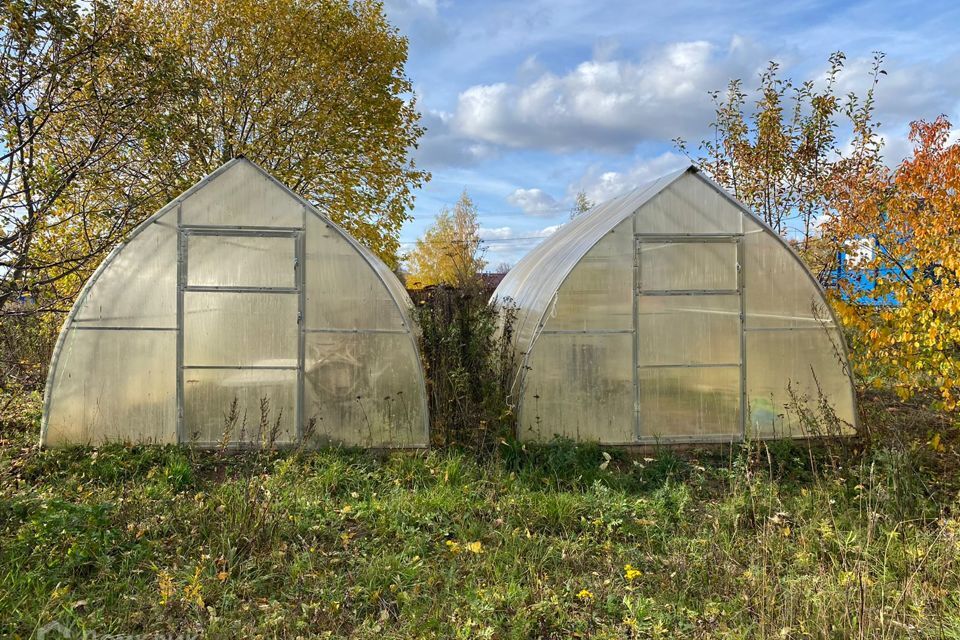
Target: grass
(778, 541)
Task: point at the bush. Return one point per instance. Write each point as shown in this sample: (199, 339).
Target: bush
(469, 362)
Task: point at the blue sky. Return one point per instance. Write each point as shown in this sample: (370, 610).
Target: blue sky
(527, 103)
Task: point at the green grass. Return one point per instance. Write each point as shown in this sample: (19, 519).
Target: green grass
(776, 541)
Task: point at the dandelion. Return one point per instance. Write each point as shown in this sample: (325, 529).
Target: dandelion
(584, 595)
(475, 547)
(630, 573)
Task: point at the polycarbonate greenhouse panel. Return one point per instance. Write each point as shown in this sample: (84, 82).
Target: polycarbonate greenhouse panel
(689, 402)
(140, 287)
(691, 207)
(232, 260)
(579, 386)
(778, 290)
(117, 386)
(361, 390)
(791, 375)
(235, 329)
(702, 329)
(597, 293)
(205, 328)
(345, 293)
(240, 406)
(688, 266)
(244, 196)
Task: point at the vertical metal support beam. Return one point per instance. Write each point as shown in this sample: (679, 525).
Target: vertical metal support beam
(181, 283)
(743, 341)
(301, 280)
(637, 284)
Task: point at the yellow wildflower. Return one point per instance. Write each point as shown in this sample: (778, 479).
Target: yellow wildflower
(453, 546)
(585, 596)
(475, 547)
(630, 573)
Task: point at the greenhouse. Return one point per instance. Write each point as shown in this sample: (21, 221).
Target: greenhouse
(238, 314)
(672, 314)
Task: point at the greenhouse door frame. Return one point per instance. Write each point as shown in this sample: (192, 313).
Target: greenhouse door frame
(639, 291)
(296, 236)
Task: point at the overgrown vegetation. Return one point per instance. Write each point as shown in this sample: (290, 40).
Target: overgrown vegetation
(469, 363)
(779, 540)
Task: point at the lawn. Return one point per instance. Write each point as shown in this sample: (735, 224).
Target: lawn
(859, 538)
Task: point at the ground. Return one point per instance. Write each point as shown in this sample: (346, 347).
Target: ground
(857, 538)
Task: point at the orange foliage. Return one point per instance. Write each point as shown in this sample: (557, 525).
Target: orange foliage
(913, 214)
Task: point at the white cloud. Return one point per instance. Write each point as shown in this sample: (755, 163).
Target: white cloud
(600, 185)
(606, 104)
(443, 147)
(534, 202)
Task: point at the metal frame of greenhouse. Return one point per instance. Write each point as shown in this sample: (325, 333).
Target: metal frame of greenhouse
(671, 314)
(238, 291)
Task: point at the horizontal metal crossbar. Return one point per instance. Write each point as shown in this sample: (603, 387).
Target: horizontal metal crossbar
(334, 330)
(687, 238)
(240, 367)
(217, 230)
(817, 328)
(101, 328)
(218, 289)
(592, 332)
(720, 365)
(689, 292)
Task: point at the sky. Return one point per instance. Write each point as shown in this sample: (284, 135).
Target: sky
(527, 103)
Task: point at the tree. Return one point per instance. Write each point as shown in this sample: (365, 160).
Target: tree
(110, 109)
(780, 158)
(581, 204)
(76, 86)
(911, 215)
(449, 251)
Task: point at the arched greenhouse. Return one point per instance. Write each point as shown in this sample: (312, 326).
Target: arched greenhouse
(236, 313)
(672, 314)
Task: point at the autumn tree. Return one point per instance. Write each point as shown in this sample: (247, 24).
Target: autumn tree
(112, 109)
(778, 155)
(908, 327)
(76, 85)
(449, 251)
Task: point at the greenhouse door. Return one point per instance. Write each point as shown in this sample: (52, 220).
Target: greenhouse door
(689, 346)
(240, 301)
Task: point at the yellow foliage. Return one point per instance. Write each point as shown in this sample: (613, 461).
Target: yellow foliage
(912, 215)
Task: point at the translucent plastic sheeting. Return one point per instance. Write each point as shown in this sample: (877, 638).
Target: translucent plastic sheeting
(230, 260)
(140, 287)
(343, 292)
(224, 328)
(243, 196)
(115, 386)
(689, 206)
(687, 266)
(240, 406)
(597, 293)
(362, 389)
(689, 402)
(778, 290)
(579, 386)
(688, 330)
(789, 373)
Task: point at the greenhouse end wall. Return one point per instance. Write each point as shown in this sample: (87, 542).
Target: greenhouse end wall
(238, 315)
(672, 314)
